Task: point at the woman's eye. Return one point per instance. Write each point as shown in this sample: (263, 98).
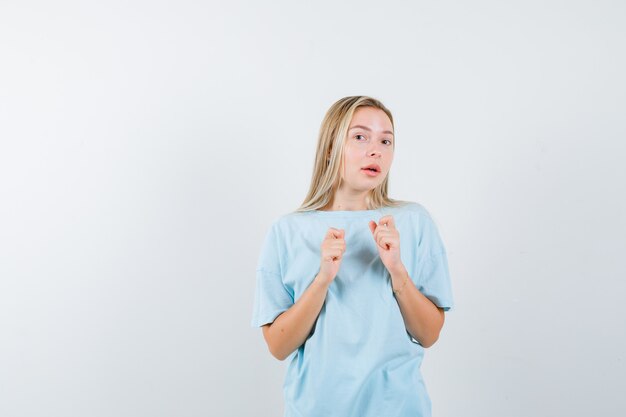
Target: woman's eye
(356, 136)
(387, 140)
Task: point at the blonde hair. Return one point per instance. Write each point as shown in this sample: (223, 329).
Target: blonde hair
(331, 142)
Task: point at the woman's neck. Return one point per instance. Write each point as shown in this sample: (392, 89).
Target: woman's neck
(347, 203)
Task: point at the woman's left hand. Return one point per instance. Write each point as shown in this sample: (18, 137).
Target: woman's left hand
(387, 240)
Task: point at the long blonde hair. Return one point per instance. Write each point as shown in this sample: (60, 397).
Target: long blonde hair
(331, 143)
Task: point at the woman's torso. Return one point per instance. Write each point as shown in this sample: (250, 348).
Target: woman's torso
(359, 359)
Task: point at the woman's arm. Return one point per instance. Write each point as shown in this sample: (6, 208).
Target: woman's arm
(291, 328)
(422, 318)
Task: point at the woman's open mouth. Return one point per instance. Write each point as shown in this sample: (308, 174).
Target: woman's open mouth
(372, 172)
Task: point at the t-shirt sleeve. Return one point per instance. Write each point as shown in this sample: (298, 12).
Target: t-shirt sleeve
(271, 297)
(433, 276)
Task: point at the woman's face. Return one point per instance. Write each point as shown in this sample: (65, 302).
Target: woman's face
(369, 142)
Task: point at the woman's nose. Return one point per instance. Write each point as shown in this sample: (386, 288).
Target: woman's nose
(374, 152)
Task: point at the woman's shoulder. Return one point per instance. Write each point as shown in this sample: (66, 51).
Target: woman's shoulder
(417, 214)
(413, 207)
(287, 218)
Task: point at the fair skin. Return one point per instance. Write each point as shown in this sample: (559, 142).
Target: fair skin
(370, 141)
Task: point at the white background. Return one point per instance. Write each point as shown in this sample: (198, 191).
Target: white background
(145, 147)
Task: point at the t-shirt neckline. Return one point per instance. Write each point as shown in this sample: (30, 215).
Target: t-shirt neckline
(346, 213)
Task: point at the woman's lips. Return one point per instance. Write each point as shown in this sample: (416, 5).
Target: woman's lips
(370, 172)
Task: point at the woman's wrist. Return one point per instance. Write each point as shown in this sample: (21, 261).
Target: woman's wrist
(322, 280)
(398, 291)
(398, 272)
(399, 279)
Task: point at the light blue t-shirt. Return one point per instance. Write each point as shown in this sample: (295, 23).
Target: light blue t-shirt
(359, 360)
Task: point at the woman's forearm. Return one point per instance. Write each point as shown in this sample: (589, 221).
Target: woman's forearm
(292, 327)
(422, 318)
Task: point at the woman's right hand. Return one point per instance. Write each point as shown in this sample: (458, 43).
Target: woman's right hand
(333, 247)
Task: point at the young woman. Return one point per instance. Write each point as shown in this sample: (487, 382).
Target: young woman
(353, 285)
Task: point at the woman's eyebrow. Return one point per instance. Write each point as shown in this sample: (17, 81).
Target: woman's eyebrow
(368, 129)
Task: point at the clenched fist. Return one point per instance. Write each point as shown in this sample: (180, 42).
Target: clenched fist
(387, 240)
(333, 247)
